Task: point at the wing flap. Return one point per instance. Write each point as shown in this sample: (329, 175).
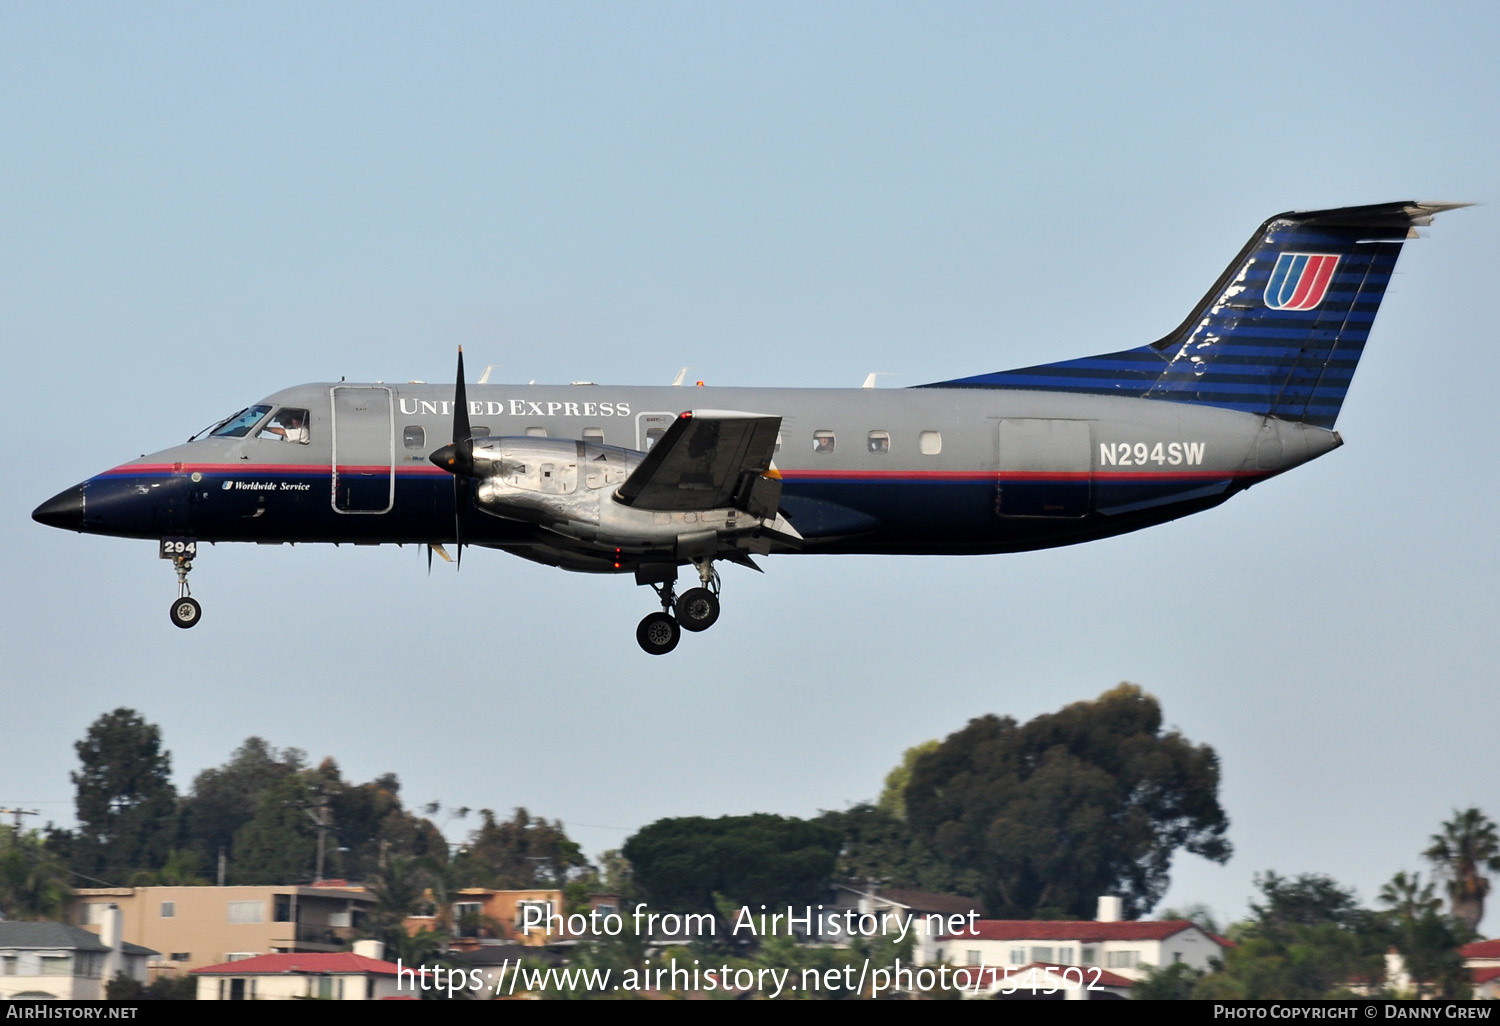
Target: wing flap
(708, 459)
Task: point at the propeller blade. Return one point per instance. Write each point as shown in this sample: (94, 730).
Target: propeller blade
(457, 457)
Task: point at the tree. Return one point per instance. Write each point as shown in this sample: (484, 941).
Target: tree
(225, 799)
(280, 845)
(1308, 938)
(520, 852)
(1094, 799)
(1429, 941)
(1467, 848)
(750, 860)
(124, 796)
(876, 845)
(33, 881)
(893, 798)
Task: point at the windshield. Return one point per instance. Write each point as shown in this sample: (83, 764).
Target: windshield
(239, 425)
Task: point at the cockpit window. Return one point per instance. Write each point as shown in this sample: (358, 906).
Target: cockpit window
(240, 424)
(289, 425)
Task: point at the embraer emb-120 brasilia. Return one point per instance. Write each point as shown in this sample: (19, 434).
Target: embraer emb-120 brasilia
(622, 480)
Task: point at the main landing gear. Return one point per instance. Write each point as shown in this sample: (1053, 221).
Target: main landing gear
(697, 610)
(185, 611)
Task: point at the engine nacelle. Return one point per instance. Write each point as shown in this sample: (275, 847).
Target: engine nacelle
(569, 487)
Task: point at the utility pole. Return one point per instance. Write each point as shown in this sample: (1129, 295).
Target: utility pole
(317, 811)
(17, 813)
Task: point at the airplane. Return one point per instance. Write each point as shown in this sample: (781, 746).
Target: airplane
(638, 480)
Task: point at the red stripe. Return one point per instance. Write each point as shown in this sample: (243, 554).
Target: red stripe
(250, 469)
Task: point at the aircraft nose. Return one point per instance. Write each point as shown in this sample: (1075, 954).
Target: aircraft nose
(64, 510)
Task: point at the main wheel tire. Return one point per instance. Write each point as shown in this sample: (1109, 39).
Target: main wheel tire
(658, 634)
(698, 609)
(186, 612)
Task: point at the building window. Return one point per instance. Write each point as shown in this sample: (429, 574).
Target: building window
(1065, 956)
(1121, 959)
(823, 441)
(239, 956)
(7, 965)
(168, 909)
(466, 918)
(413, 436)
(1090, 956)
(879, 441)
(283, 913)
(1017, 956)
(1041, 954)
(325, 987)
(182, 956)
(973, 956)
(930, 442)
(539, 918)
(247, 911)
(57, 965)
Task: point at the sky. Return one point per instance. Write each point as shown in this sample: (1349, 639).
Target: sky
(203, 204)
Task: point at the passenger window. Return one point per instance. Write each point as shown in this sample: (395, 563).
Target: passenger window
(479, 431)
(593, 435)
(823, 441)
(413, 437)
(880, 441)
(537, 432)
(288, 425)
(930, 442)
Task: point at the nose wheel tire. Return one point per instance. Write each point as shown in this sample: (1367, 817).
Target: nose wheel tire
(658, 634)
(697, 609)
(186, 612)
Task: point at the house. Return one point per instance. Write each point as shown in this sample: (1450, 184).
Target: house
(195, 927)
(358, 975)
(62, 962)
(1482, 959)
(1121, 947)
(481, 916)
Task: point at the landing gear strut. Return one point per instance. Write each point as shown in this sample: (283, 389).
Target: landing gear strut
(696, 610)
(185, 611)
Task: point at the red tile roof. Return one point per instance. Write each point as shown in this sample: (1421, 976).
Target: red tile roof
(1481, 949)
(1485, 974)
(1082, 931)
(343, 962)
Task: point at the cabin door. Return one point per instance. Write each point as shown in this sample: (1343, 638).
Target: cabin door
(1045, 468)
(364, 449)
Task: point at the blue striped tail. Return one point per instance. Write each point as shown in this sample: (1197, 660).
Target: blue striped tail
(1280, 332)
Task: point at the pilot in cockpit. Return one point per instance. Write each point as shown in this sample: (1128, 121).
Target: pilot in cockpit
(289, 425)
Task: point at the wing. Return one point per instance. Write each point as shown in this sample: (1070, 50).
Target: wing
(709, 459)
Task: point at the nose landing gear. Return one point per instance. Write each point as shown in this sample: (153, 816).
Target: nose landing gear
(185, 610)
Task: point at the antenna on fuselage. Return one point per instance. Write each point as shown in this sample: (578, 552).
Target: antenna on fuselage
(484, 379)
(677, 381)
(870, 379)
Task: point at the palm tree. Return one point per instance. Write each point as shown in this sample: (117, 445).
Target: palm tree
(1464, 852)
